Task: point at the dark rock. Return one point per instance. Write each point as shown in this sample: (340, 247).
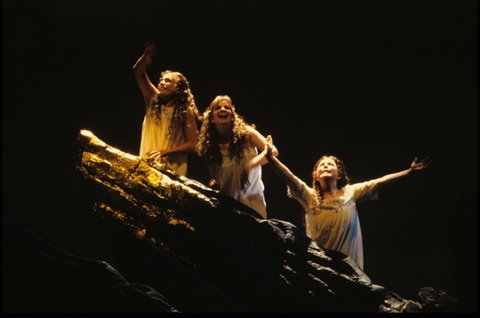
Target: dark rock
(218, 249)
(180, 246)
(436, 300)
(38, 277)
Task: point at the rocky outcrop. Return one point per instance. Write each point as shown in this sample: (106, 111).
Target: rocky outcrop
(436, 300)
(218, 250)
(41, 278)
(182, 247)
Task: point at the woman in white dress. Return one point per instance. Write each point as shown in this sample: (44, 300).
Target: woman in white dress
(169, 130)
(230, 148)
(331, 217)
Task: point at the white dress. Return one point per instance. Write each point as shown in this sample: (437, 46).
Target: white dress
(229, 181)
(334, 223)
(155, 136)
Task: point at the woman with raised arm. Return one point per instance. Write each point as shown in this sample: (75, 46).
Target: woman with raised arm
(230, 148)
(331, 217)
(169, 130)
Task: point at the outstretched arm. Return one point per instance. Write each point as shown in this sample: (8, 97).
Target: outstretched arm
(278, 166)
(258, 141)
(415, 166)
(139, 70)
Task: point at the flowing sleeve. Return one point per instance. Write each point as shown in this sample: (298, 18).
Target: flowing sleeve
(301, 192)
(364, 191)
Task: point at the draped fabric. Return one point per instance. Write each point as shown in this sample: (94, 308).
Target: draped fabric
(333, 223)
(156, 136)
(229, 174)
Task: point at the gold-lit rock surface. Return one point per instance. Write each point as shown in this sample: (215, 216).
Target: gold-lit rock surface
(212, 253)
(127, 185)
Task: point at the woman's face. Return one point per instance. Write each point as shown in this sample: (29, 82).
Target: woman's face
(166, 87)
(327, 169)
(222, 113)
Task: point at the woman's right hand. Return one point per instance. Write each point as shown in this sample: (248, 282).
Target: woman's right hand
(269, 147)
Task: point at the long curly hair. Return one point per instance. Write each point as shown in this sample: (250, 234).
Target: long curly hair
(181, 101)
(342, 172)
(208, 140)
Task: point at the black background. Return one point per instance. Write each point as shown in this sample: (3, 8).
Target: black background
(375, 83)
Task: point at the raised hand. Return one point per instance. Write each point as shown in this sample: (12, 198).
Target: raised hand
(420, 165)
(150, 50)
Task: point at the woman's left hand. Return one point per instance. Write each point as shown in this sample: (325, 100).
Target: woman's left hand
(150, 50)
(420, 165)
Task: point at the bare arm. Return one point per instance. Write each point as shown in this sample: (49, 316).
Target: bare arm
(259, 142)
(278, 166)
(415, 166)
(190, 145)
(139, 70)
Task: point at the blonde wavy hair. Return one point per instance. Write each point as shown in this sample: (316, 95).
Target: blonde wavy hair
(181, 101)
(208, 140)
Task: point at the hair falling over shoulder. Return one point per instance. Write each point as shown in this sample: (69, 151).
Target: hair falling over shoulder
(208, 140)
(182, 100)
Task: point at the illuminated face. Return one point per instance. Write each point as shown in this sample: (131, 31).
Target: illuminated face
(166, 87)
(327, 169)
(222, 113)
